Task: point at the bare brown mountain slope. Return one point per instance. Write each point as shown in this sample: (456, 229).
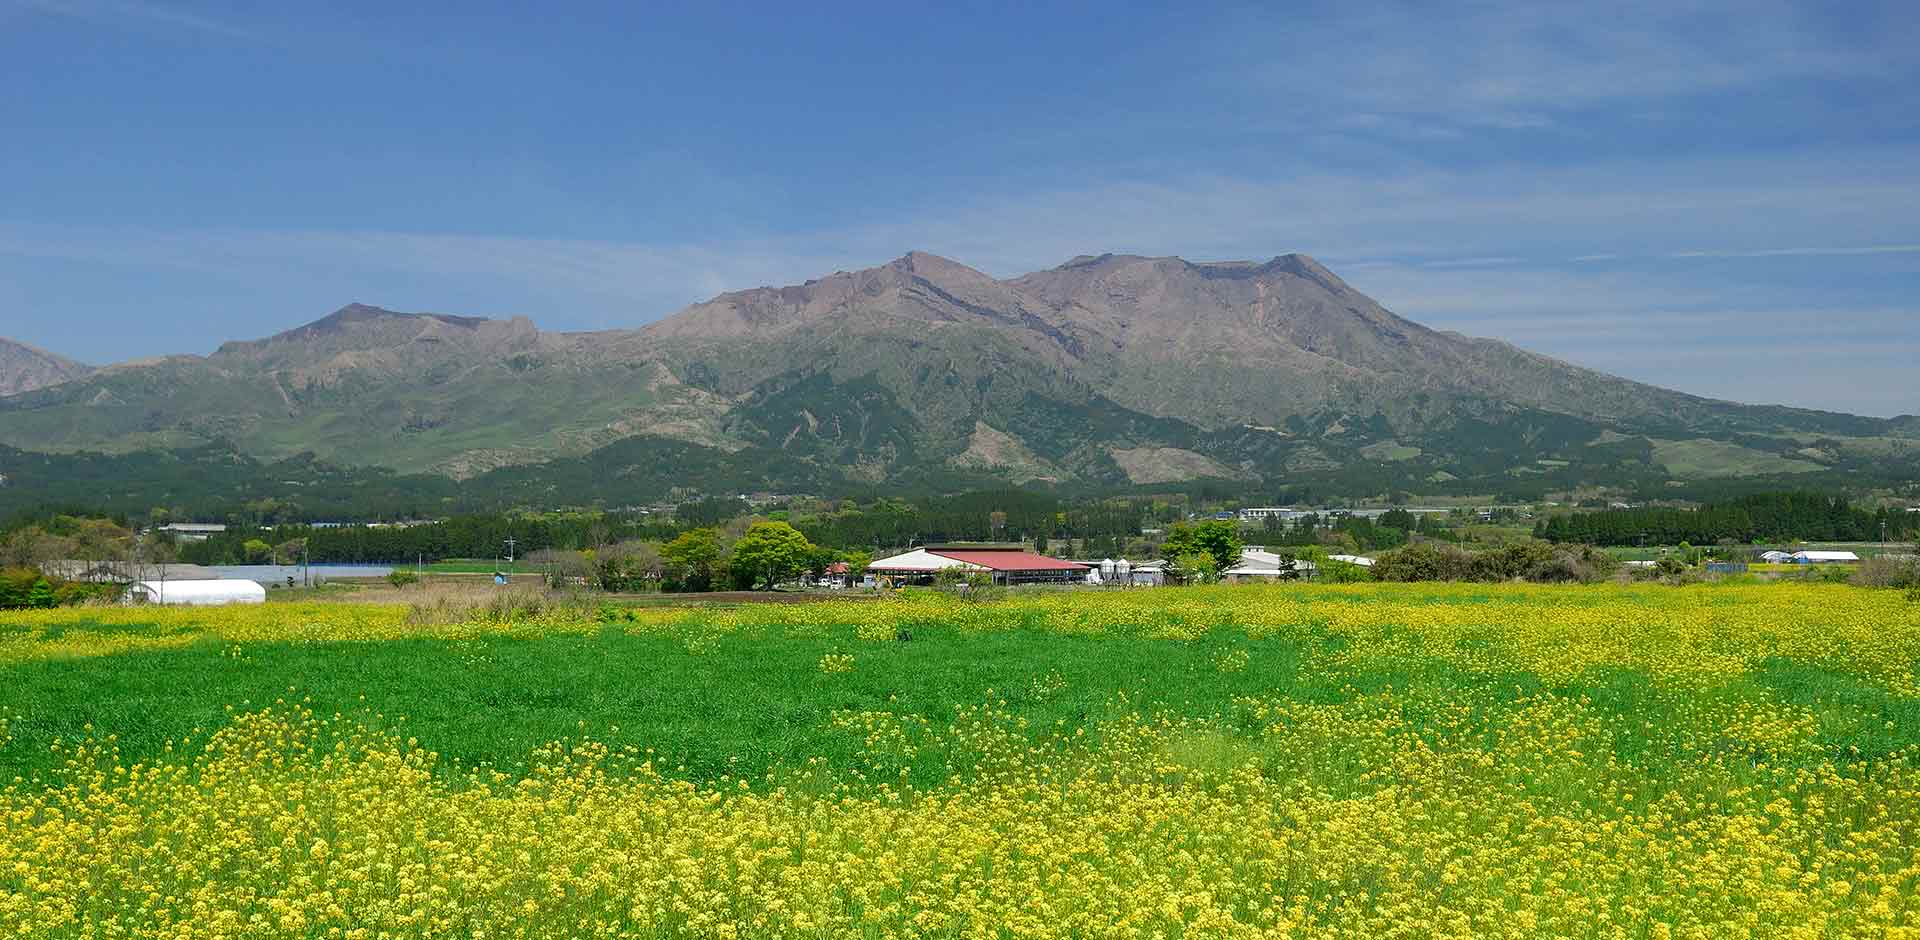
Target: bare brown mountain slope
(1231, 342)
(24, 368)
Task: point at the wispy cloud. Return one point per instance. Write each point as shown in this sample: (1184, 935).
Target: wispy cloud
(1797, 252)
(136, 14)
(1403, 71)
(1416, 227)
(1471, 262)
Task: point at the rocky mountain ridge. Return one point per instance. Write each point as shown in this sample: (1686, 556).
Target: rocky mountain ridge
(24, 368)
(1110, 369)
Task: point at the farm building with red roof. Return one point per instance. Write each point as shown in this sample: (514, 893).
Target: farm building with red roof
(1006, 565)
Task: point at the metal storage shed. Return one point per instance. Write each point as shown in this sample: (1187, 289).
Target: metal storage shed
(197, 593)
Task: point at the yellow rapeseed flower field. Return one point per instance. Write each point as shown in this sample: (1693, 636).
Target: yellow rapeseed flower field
(1511, 761)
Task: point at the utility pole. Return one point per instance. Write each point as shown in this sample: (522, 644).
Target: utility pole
(510, 543)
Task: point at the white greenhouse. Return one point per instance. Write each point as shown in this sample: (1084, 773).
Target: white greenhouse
(197, 593)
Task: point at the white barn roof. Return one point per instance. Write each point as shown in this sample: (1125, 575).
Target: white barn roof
(1360, 560)
(920, 560)
(1825, 556)
(1254, 561)
(1255, 558)
(224, 591)
(1242, 571)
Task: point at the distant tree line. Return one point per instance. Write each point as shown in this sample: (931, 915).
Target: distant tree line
(477, 535)
(1391, 530)
(874, 525)
(1765, 517)
(998, 515)
(1528, 561)
(30, 549)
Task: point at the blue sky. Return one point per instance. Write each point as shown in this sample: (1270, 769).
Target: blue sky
(1718, 197)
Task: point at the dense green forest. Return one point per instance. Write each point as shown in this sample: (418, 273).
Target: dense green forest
(875, 525)
(216, 481)
(1095, 526)
(1768, 517)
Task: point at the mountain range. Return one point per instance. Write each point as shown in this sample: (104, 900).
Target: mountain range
(1112, 370)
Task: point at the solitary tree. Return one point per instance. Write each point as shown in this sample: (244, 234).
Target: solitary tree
(693, 559)
(769, 553)
(1219, 539)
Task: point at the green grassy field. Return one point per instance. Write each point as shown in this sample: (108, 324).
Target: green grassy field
(740, 703)
(1311, 761)
(479, 566)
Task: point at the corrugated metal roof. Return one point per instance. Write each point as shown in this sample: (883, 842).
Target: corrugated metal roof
(1008, 560)
(917, 560)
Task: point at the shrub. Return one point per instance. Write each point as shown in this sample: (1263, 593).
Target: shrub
(610, 613)
(1888, 572)
(401, 579)
(1833, 574)
(73, 593)
(1424, 562)
(1531, 561)
(1197, 568)
(1343, 572)
(1559, 569)
(1512, 562)
(24, 587)
(1628, 575)
(969, 585)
